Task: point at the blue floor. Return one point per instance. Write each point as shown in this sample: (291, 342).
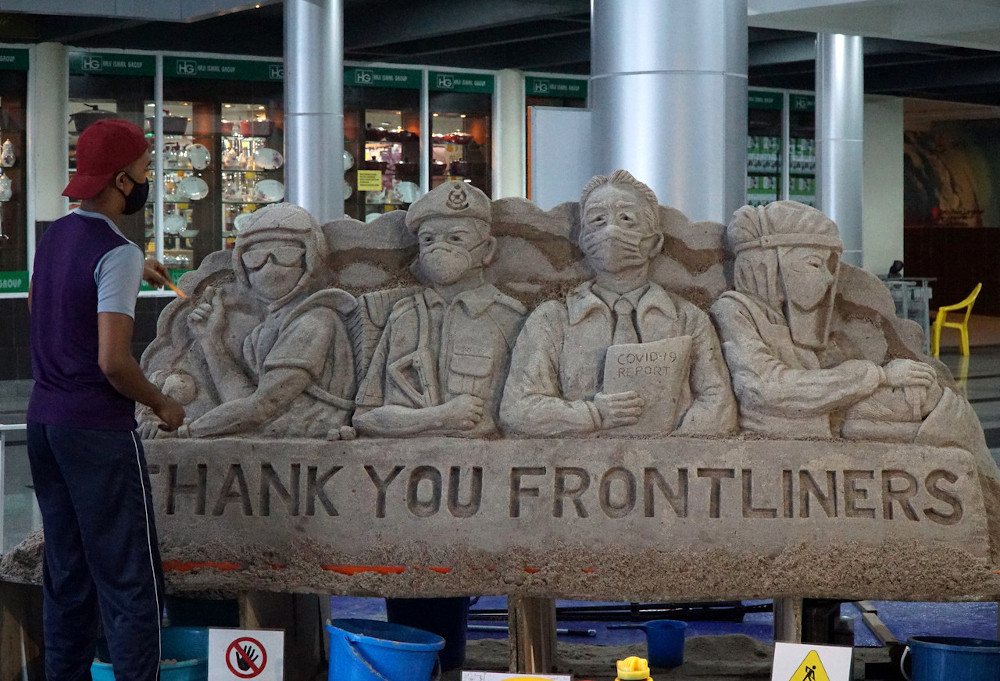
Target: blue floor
(975, 620)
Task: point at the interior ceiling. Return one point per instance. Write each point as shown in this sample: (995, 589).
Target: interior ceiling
(932, 49)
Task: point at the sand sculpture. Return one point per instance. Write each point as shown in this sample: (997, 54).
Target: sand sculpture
(293, 375)
(644, 394)
(791, 381)
(618, 329)
(439, 365)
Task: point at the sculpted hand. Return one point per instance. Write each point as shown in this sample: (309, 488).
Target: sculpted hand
(206, 317)
(619, 409)
(148, 428)
(154, 273)
(462, 413)
(900, 373)
(170, 412)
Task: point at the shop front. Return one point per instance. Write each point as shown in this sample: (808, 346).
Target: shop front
(13, 171)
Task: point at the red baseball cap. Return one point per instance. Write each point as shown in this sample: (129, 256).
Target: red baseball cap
(104, 148)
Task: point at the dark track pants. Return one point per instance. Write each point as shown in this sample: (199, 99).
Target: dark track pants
(101, 557)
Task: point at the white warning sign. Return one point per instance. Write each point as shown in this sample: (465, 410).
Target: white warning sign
(810, 662)
(240, 654)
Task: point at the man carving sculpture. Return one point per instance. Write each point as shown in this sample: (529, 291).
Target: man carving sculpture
(439, 365)
(555, 386)
(775, 327)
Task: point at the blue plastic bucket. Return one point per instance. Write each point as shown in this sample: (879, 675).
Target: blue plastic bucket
(186, 647)
(372, 650)
(665, 642)
(949, 658)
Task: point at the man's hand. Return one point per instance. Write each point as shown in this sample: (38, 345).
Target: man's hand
(462, 413)
(619, 409)
(154, 273)
(170, 412)
(902, 373)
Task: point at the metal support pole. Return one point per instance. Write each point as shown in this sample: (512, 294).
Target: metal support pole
(314, 106)
(788, 620)
(532, 626)
(840, 136)
(159, 186)
(668, 95)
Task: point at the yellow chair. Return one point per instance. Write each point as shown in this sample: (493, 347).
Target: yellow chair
(962, 326)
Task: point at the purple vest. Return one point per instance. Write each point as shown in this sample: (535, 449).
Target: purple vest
(70, 388)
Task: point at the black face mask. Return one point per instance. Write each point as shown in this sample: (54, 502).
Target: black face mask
(137, 199)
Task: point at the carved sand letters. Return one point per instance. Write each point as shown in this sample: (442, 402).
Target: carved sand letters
(568, 491)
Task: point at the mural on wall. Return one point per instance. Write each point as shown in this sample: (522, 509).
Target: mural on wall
(951, 171)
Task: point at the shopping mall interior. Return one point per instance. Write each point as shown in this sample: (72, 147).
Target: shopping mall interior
(437, 91)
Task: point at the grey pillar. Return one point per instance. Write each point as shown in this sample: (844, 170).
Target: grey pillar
(668, 94)
(840, 136)
(314, 106)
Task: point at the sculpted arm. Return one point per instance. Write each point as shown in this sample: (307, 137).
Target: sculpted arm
(460, 414)
(277, 388)
(761, 378)
(713, 411)
(208, 324)
(532, 401)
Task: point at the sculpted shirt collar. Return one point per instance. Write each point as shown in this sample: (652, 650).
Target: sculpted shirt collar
(476, 300)
(587, 298)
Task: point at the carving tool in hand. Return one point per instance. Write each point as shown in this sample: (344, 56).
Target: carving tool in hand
(175, 289)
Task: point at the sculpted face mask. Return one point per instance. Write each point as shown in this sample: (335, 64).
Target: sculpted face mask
(808, 285)
(613, 248)
(445, 263)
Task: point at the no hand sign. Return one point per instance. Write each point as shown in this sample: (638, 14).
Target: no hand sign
(239, 654)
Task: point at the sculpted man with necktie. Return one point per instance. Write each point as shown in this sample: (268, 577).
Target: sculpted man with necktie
(556, 382)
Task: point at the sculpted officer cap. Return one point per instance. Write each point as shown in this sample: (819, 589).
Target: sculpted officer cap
(449, 200)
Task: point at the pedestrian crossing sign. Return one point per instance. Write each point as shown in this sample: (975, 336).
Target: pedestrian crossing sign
(808, 662)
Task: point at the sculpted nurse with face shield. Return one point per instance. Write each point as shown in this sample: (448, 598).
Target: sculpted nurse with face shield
(775, 328)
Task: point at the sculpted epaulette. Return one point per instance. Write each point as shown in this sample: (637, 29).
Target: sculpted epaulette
(512, 303)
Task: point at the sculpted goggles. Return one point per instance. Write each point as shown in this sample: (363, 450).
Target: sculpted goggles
(286, 256)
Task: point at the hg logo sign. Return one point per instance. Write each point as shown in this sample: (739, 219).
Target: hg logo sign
(364, 77)
(541, 87)
(186, 67)
(91, 63)
(276, 72)
(445, 81)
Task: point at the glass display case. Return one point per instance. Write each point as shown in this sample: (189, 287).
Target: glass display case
(381, 140)
(223, 146)
(802, 148)
(764, 144)
(781, 148)
(461, 107)
(13, 175)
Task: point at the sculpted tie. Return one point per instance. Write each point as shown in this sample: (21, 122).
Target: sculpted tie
(624, 327)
